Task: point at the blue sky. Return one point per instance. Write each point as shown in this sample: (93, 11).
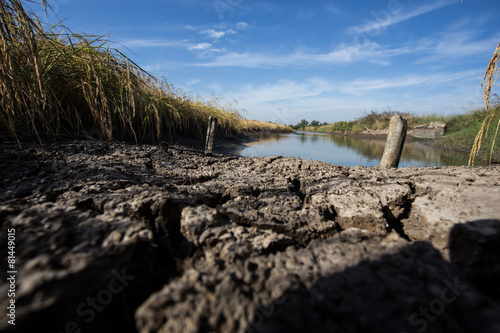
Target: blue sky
(283, 61)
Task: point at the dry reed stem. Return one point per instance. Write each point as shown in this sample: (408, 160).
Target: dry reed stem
(489, 75)
(491, 69)
(58, 81)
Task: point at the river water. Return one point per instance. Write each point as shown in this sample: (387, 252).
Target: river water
(349, 151)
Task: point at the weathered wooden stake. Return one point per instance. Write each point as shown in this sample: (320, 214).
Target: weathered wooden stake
(212, 126)
(395, 141)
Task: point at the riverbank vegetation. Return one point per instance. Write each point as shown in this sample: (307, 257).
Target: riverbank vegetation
(247, 125)
(54, 81)
(372, 120)
(460, 134)
(489, 81)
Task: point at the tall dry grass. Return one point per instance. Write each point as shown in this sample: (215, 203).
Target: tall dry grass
(55, 81)
(488, 82)
(259, 126)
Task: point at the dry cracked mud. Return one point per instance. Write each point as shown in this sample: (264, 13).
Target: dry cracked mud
(141, 238)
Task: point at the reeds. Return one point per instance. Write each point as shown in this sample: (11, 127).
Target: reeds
(488, 83)
(56, 81)
(259, 126)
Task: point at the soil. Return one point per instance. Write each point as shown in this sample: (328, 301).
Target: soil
(163, 238)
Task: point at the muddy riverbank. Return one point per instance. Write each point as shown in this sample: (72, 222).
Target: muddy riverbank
(120, 237)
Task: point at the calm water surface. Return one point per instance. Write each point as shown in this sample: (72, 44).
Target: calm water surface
(348, 151)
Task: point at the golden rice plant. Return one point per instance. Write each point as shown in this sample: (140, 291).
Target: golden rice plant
(56, 81)
(489, 82)
(247, 125)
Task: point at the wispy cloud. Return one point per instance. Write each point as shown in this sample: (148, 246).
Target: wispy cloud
(386, 18)
(287, 101)
(282, 100)
(151, 43)
(333, 9)
(192, 82)
(242, 25)
(362, 85)
(440, 49)
(316, 86)
(455, 45)
(200, 47)
(217, 34)
(286, 90)
(203, 47)
(343, 54)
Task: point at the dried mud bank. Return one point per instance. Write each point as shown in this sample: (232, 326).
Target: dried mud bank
(115, 237)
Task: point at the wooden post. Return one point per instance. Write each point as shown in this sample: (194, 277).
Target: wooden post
(212, 126)
(395, 141)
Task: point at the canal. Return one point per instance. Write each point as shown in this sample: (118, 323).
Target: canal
(349, 150)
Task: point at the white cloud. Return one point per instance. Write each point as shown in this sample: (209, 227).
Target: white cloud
(286, 90)
(288, 101)
(184, 44)
(192, 82)
(387, 18)
(456, 44)
(441, 49)
(242, 25)
(151, 43)
(316, 86)
(217, 34)
(200, 47)
(362, 85)
(281, 101)
(343, 54)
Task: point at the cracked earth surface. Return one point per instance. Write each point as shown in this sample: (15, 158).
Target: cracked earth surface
(227, 244)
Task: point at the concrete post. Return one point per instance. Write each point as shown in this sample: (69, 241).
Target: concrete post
(395, 141)
(212, 126)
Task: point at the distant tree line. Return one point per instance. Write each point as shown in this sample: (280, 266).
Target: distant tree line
(304, 123)
(372, 120)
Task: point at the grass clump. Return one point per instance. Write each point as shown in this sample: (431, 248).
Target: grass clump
(247, 125)
(462, 130)
(58, 82)
(343, 126)
(379, 120)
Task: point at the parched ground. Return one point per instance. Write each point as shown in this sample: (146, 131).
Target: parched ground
(125, 238)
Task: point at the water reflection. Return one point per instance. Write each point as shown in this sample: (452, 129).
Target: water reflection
(348, 150)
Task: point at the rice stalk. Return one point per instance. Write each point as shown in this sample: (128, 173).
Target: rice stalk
(483, 132)
(489, 75)
(489, 81)
(55, 81)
